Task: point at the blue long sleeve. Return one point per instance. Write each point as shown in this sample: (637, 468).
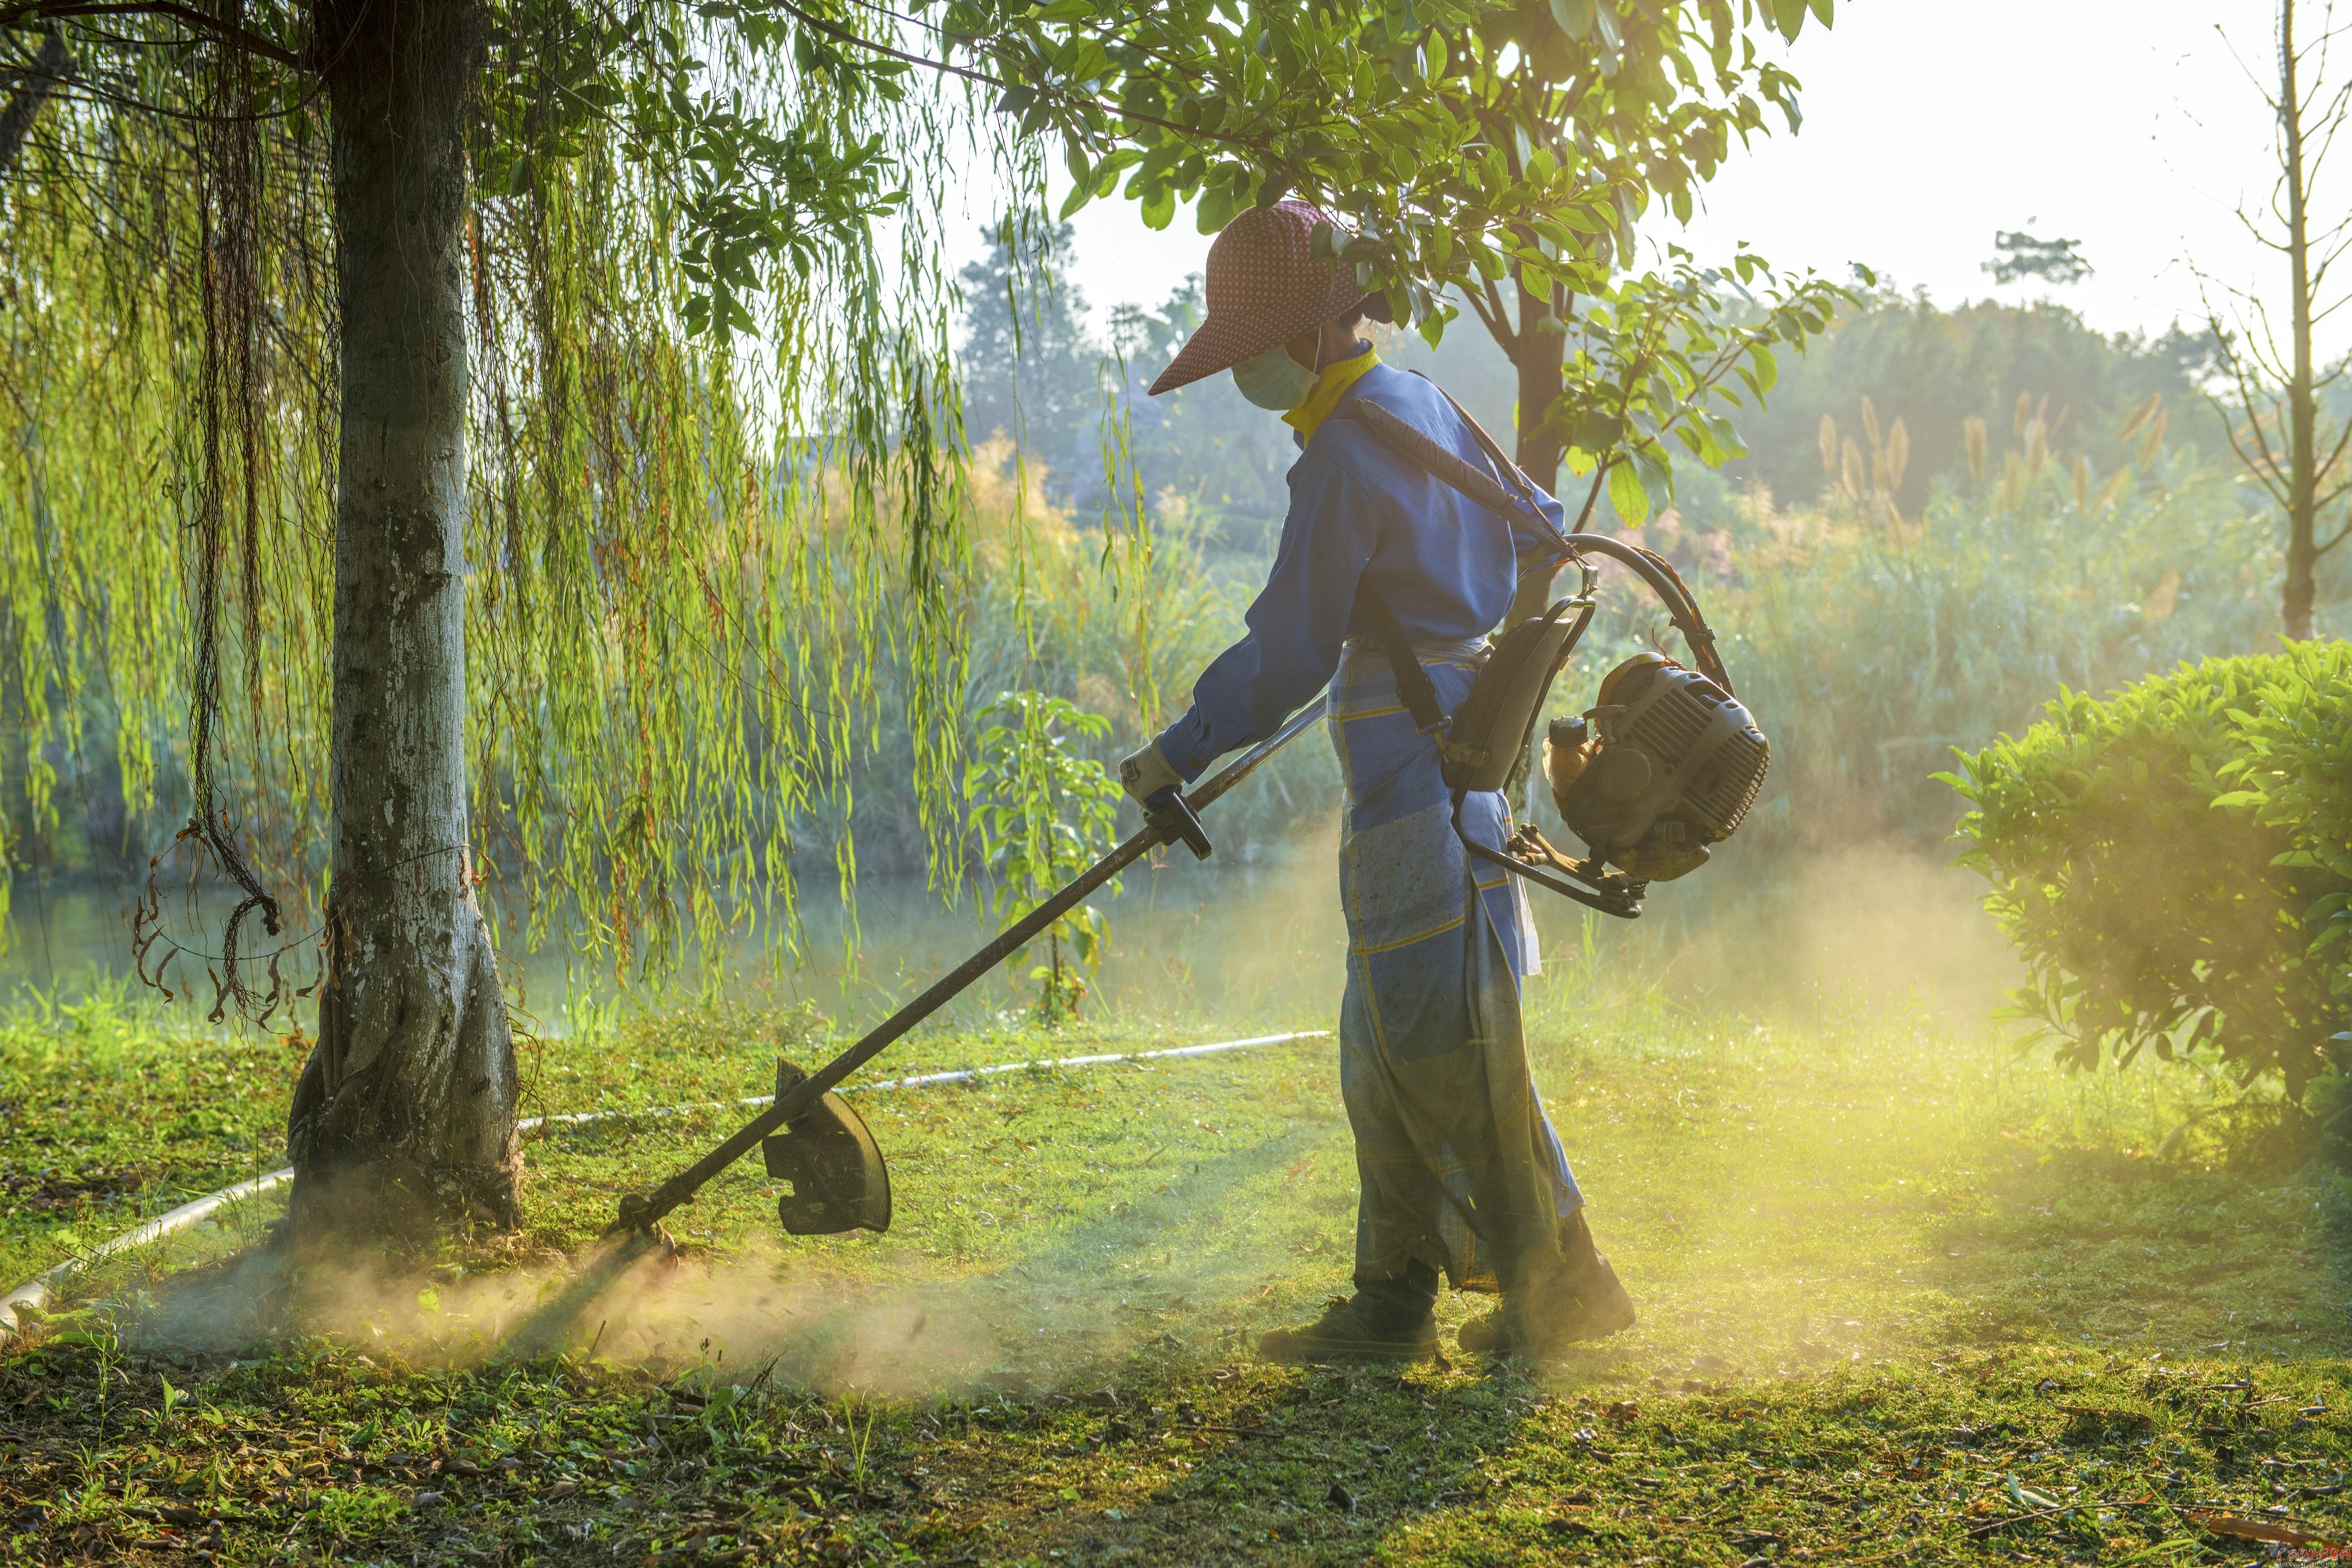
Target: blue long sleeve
(1297, 623)
(1446, 565)
(1533, 549)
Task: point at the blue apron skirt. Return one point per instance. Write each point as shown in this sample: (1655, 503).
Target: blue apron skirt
(1459, 1167)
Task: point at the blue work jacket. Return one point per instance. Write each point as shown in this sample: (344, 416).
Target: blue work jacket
(1447, 567)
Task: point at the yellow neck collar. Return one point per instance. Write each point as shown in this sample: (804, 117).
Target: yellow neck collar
(1329, 387)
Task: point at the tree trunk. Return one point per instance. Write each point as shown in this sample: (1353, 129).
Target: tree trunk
(1534, 347)
(1536, 354)
(49, 67)
(403, 1124)
(2297, 592)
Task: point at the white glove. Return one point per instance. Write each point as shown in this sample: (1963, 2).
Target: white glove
(1145, 773)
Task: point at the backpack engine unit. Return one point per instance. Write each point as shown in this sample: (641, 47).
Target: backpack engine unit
(1665, 762)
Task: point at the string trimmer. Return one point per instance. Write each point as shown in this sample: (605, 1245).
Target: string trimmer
(810, 1136)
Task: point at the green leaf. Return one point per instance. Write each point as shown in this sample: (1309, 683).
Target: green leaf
(1627, 495)
(1574, 17)
(1159, 206)
(1597, 430)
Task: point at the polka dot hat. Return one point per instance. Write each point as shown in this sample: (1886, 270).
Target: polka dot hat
(1264, 288)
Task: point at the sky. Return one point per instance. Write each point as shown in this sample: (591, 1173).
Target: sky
(2129, 125)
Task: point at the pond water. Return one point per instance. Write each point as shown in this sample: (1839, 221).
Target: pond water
(1237, 946)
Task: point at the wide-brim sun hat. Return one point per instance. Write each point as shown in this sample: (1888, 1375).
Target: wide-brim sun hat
(1265, 287)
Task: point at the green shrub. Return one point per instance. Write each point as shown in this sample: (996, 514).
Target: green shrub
(2296, 774)
(2156, 905)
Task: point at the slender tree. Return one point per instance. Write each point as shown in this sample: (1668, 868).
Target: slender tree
(1657, 95)
(2277, 389)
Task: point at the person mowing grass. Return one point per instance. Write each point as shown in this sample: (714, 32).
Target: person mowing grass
(1460, 1171)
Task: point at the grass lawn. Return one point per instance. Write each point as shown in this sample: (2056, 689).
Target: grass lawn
(1907, 1295)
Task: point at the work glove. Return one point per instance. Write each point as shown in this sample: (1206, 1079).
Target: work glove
(1145, 773)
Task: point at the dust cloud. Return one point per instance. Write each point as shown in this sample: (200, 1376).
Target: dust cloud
(1880, 927)
(1026, 1326)
(1857, 932)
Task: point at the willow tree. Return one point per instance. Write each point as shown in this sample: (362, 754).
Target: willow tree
(313, 312)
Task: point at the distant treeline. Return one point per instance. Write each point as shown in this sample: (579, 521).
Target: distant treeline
(1037, 374)
(1944, 517)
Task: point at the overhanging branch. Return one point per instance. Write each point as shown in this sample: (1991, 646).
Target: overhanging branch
(226, 32)
(839, 34)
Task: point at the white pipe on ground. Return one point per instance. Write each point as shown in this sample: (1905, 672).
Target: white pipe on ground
(39, 1291)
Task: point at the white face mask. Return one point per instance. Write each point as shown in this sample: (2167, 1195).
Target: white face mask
(1274, 380)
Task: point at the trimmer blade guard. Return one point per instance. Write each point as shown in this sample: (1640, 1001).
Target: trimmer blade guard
(838, 1180)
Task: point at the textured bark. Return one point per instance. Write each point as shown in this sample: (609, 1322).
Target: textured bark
(53, 65)
(404, 1123)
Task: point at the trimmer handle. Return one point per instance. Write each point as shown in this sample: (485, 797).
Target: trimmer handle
(1167, 812)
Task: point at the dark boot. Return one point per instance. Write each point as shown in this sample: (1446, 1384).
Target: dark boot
(1342, 1334)
(1389, 1320)
(1556, 1305)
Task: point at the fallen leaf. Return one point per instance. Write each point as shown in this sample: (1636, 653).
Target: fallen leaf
(1341, 1497)
(2238, 1529)
(2027, 1497)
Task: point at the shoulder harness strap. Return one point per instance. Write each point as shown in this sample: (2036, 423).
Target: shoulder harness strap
(1414, 688)
(1417, 446)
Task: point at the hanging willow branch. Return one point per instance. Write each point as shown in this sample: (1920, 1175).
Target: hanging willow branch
(694, 570)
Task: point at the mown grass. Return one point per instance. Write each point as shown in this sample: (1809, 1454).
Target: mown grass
(1907, 1295)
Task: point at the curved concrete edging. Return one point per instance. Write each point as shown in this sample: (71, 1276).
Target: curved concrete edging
(38, 1292)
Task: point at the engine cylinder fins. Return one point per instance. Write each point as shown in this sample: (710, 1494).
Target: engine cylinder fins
(838, 1179)
(1726, 790)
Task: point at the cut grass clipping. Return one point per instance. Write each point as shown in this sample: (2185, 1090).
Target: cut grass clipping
(1906, 1296)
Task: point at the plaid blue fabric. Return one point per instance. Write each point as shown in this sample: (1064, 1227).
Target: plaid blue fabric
(1458, 1162)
